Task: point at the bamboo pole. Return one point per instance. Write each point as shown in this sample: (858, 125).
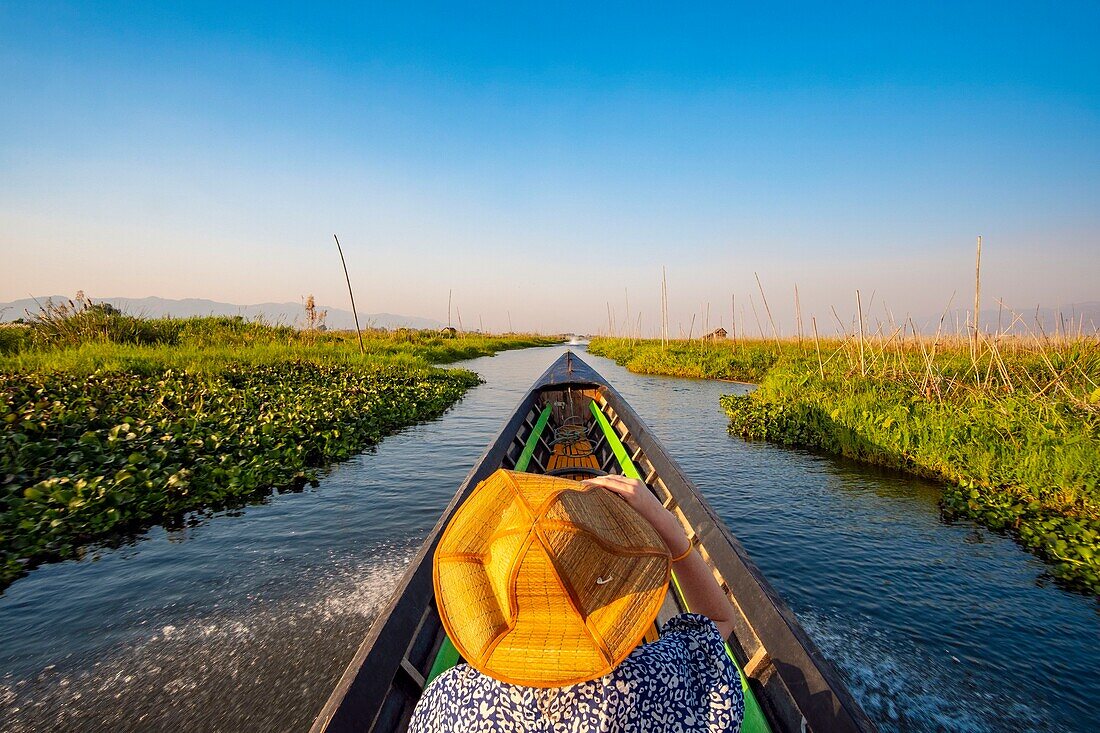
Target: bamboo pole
(817, 346)
(977, 302)
(862, 362)
(889, 315)
(757, 317)
(449, 294)
(839, 323)
(733, 313)
(664, 308)
(775, 333)
(1017, 318)
(798, 313)
(354, 313)
(626, 321)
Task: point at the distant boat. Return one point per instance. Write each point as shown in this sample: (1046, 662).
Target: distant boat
(575, 340)
(572, 423)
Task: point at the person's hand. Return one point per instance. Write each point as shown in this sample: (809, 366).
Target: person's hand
(635, 493)
(700, 593)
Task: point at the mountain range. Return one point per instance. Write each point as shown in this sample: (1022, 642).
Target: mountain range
(1068, 318)
(288, 313)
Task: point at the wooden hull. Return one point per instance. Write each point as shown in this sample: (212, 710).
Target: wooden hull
(789, 685)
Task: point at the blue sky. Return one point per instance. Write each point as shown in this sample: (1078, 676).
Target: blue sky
(544, 160)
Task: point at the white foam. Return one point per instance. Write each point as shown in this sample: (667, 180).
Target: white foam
(935, 690)
(216, 670)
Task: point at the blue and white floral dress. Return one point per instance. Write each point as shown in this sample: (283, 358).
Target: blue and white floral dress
(681, 683)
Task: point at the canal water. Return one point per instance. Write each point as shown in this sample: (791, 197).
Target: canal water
(245, 620)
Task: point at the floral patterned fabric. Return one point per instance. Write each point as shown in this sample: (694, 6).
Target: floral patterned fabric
(681, 683)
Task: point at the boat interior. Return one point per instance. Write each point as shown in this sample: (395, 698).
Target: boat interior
(567, 442)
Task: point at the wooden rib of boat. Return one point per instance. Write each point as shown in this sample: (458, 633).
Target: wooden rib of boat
(573, 423)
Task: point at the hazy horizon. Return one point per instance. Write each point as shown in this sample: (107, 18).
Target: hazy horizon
(541, 165)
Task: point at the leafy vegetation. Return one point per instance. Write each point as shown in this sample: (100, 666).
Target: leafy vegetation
(1011, 424)
(13, 339)
(109, 428)
(74, 323)
(693, 359)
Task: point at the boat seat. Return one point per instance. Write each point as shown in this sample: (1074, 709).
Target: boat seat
(579, 470)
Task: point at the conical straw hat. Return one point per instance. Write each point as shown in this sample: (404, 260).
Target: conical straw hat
(545, 582)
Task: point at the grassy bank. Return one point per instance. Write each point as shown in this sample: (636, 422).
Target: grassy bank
(691, 359)
(1012, 427)
(111, 430)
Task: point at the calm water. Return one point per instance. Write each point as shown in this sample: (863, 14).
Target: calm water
(245, 621)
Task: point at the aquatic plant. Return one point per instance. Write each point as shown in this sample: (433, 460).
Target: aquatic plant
(86, 459)
(1016, 442)
(103, 432)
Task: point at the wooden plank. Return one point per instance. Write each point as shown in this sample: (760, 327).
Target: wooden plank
(413, 673)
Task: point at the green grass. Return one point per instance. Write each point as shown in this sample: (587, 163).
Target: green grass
(688, 358)
(100, 438)
(209, 345)
(1012, 428)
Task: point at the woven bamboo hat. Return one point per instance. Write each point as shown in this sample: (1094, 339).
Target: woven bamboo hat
(546, 582)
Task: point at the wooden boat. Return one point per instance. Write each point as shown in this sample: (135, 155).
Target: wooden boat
(572, 423)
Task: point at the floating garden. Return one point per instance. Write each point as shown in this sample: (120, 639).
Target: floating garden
(109, 423)
(1010, 424)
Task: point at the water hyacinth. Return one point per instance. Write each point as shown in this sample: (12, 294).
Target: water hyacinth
(88, 458)
(110, 423)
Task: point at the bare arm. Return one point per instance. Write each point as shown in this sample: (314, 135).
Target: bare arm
(701, 592)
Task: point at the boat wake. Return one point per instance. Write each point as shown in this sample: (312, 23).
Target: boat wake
(268, 666)
(935, 693)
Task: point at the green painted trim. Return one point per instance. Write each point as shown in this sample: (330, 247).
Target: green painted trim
(615, 443)
(533, 439)
(754, 721)
(446, 658)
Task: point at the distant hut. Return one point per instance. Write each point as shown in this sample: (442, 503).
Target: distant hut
(448, 332)
(718, 333)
